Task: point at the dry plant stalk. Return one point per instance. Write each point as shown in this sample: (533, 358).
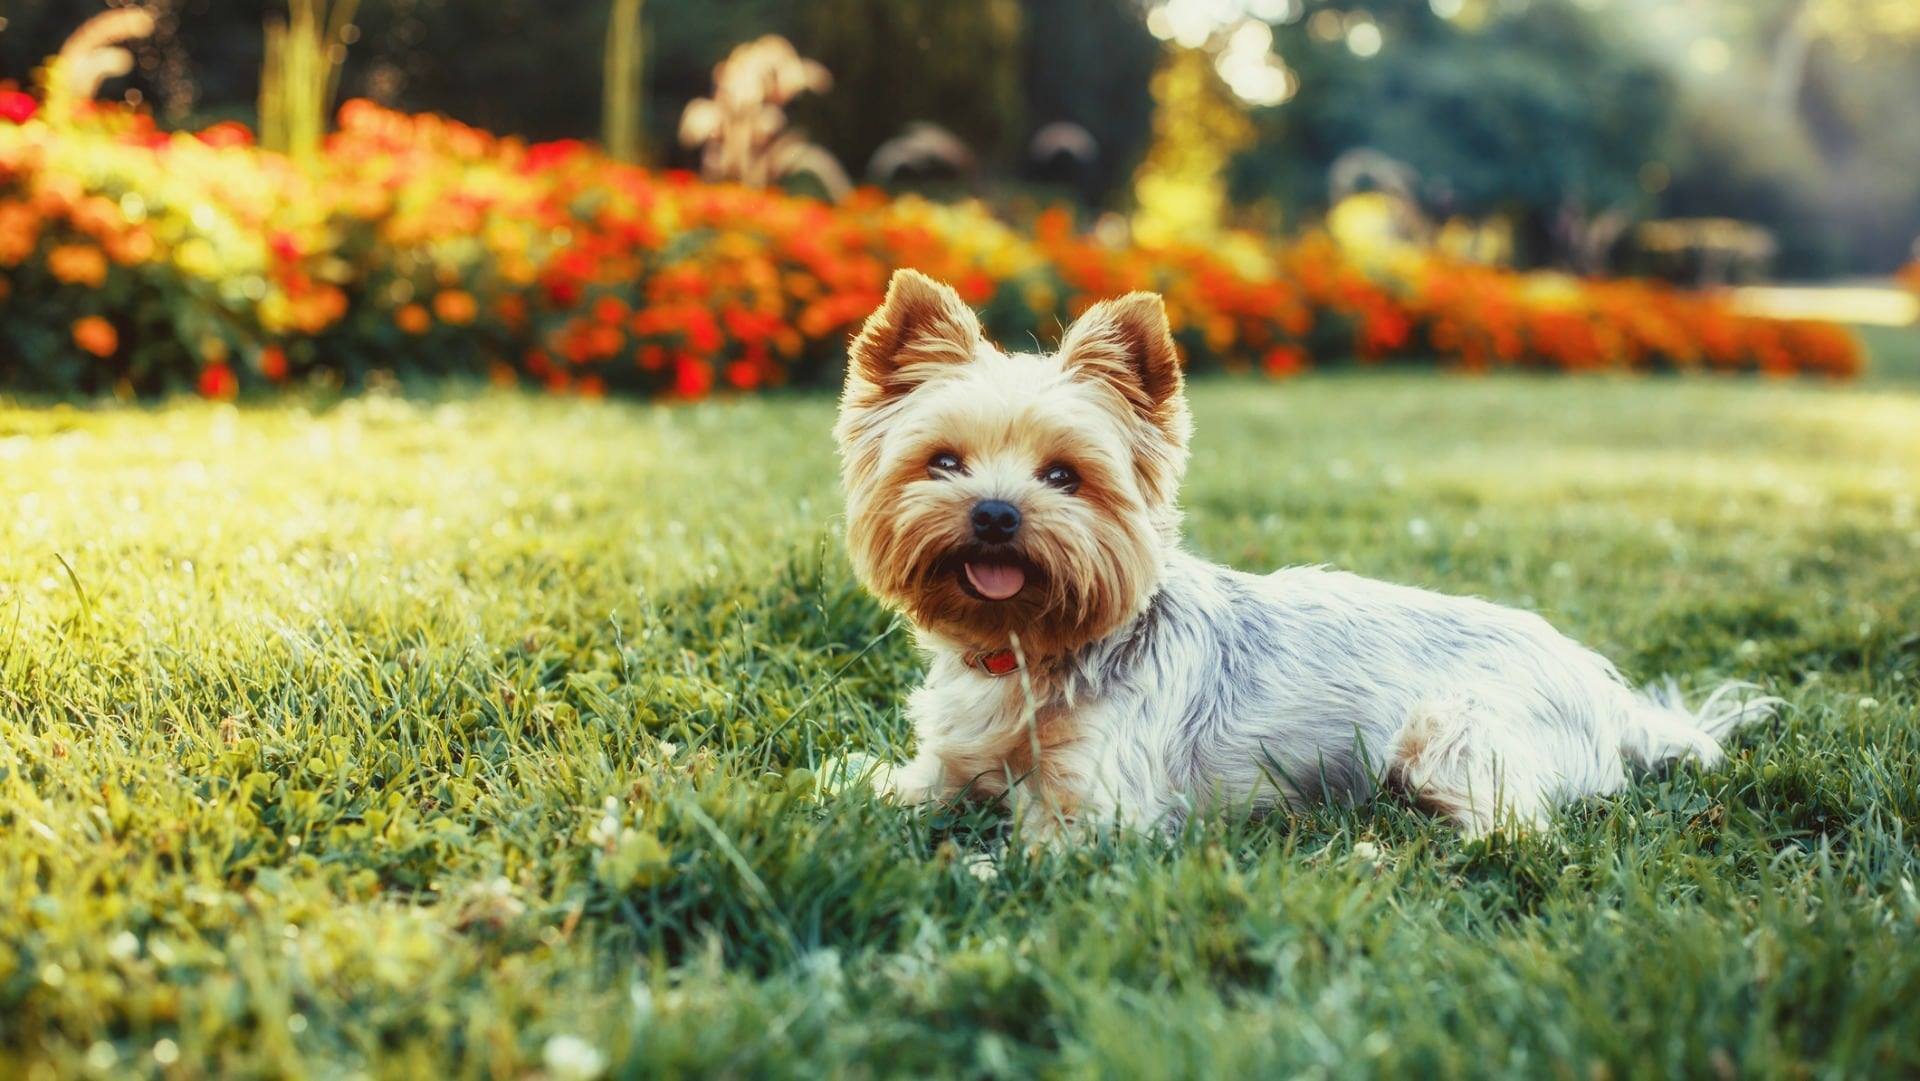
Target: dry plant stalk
(90, 56)
(743, 129)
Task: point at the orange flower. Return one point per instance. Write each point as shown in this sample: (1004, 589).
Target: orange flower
(512, 309)
(95, 335)
(19, 232)
(129, 247)
(273, 363)
(455, 307)
(610, 310)
(413, 319)
(78, 264)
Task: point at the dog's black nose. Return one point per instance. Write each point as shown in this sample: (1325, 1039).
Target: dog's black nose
(995, 521)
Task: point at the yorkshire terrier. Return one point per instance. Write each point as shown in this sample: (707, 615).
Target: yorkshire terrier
(1022, 511)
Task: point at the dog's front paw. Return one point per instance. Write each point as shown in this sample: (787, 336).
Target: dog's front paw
(912, 782)
(854, 769)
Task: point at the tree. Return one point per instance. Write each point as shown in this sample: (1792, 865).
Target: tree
(898, 61)
(1090, 62)
(1532, 114)
(623, 81)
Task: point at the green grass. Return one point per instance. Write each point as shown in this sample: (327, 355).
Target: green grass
(405, 738)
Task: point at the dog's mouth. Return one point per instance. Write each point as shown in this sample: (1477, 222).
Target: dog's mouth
(995, 581)
(992, 576)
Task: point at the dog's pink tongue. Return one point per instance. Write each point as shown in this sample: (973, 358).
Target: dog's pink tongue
(996, 581)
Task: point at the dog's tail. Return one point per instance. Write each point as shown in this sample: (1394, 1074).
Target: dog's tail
(1662, 727)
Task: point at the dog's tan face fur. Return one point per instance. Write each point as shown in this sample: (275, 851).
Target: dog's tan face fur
(1088, 445)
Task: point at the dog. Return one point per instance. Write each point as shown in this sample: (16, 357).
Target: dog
(1022, 512)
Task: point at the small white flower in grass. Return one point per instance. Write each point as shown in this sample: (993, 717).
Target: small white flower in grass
(101, 1056)
(570, 1058)
(982, 866)
(1366, 852)
(123, 946)
(1869, 702)
(1418, 529)
(166, 1052)
(1748, 648)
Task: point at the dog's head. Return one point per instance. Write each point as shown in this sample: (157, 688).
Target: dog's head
(992, 494)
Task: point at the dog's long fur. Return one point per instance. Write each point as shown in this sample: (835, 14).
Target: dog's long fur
(1150, 683)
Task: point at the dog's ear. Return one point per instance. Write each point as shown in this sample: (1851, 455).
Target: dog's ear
(921, 322)
(1128, 343)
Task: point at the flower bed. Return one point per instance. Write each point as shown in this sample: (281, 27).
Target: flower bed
(134, 261)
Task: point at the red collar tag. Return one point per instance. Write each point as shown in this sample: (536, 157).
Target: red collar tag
(1000, 662)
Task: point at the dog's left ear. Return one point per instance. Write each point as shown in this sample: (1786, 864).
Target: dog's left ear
(1127, 342)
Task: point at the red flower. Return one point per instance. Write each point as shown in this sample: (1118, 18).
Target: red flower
(743, 374)
(692, 377)
(17, 106)
(547, 155)
(217, 381)
(702, 332)
(1386, 330)
(284, 246)
(1285, 360)
(273, 363)
(227, 133)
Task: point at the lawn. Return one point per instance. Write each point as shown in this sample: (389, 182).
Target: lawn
(472, 737)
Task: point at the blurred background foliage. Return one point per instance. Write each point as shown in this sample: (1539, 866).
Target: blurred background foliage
(1568, 120)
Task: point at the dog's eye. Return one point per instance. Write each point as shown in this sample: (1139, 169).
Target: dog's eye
(1060, 476)
(945, 462)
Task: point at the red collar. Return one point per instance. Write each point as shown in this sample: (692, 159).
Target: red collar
(999, 662)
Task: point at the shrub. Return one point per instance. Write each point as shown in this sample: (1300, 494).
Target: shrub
(134, 261)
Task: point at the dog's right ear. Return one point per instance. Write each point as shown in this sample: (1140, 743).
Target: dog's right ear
(920, 323)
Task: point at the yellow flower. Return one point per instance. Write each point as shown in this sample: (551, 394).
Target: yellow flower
(78, 264)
